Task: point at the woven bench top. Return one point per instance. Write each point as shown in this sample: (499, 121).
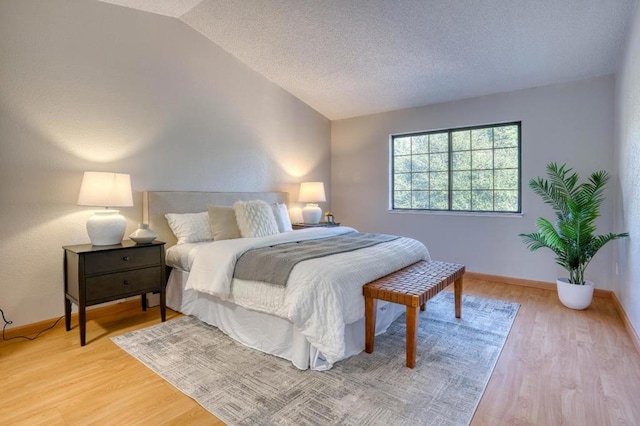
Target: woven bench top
(415, 284)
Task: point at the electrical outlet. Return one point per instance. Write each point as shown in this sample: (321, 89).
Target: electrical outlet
(616, 268)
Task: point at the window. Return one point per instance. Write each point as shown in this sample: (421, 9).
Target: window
(467, 169)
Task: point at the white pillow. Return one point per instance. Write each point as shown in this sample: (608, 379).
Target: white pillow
(282, 217)
(190, 227)
(255, 219)
(223, 223)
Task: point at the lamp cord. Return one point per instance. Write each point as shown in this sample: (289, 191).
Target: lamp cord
(6, 323)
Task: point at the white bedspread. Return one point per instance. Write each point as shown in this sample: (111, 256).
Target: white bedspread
(322, 295)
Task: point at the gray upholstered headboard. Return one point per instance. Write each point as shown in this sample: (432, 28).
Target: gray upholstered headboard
(156, 203)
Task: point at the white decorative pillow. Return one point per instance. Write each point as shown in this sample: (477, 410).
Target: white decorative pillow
(190, 227)
(255, 219)
(223, 223)
(282, 217)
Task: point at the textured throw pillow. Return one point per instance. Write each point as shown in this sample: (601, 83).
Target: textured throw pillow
(190, 227)
(223, 223)
(282, 217)
(255, 219)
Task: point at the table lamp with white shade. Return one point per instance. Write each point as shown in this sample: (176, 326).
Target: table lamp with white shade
(102, 189)
(312, 193)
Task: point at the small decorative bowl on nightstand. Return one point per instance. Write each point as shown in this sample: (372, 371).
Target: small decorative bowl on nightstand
(143, 235)
(143, 240)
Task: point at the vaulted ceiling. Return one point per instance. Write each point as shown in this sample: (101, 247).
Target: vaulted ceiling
(347, 58)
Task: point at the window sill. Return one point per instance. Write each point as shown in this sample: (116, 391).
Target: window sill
(457, 213)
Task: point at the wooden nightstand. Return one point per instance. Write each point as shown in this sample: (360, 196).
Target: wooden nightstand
(318, 225)
(98, 274)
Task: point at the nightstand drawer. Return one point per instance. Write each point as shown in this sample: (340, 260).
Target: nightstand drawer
(122, 284)
(122, 259)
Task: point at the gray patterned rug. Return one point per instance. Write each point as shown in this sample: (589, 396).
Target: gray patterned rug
(242, 386)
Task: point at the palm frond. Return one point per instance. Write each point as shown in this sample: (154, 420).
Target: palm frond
(535, 241)
(550, 235)
(542, 188)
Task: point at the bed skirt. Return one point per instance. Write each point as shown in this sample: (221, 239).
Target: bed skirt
(268, 333)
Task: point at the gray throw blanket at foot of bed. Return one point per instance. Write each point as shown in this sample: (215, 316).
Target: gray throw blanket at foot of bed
(273, 264)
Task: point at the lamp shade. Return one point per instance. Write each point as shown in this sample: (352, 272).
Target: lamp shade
(103, 189)
(312, 192)
(106, 227)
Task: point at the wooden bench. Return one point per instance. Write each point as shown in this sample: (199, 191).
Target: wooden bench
(411, 286)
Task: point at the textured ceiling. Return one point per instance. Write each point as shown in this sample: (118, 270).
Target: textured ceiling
(347, 58)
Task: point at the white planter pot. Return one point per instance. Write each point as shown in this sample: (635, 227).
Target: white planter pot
(575, 296)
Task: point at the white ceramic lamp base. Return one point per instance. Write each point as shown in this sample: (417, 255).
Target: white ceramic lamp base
(311, 214)
(106, 227)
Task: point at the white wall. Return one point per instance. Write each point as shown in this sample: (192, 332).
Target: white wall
(628, 162)
(91, 86)
(571, 123)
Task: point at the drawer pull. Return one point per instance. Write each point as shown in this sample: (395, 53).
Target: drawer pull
(126, 258)
(125, 282)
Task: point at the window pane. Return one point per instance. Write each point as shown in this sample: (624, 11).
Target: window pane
(504, 137)
(506, 201)
(461, 180)
(439, 162)
(461, 200)
(439, 180)
(402, 199)
(505, 179)
(439, 142)
(506, 158)
(482, 138)
(420, 200)
(420, 144)
(402, 182)
(461, 160)
(402, 146)
(420, 163)
(420, 181)
(439, 200)
(482, 200)
(482, 179)
(482, 160)
(461, 141)
(402, 164)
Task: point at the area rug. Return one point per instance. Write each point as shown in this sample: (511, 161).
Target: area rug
(241, 386)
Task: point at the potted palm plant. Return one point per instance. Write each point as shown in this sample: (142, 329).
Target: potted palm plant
(572, 239)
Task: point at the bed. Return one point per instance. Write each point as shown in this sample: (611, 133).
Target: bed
(314, 321)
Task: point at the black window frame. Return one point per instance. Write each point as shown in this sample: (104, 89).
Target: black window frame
(450, 171)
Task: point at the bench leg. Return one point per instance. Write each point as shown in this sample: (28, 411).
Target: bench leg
(457, 289)
(369, 323)
(423, 307)
(412, 326)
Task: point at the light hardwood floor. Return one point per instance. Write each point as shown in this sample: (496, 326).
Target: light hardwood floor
(558, 366)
